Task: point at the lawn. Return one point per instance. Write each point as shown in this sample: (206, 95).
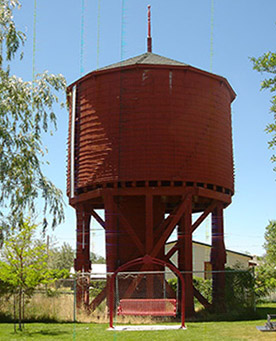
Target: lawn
(222, 331)
(242, 330)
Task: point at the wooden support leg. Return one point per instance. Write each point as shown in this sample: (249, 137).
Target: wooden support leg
(82, 261)
(218, 258)
(185, 256)
(149, 243)
(111, 222)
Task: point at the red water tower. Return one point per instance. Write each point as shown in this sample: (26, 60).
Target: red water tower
(150, 143)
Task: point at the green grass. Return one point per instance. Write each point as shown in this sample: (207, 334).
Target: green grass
(222, 331)
(195, 331)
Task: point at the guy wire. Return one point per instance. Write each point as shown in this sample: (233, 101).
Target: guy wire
(98, 33)
(82, 37)
(123, 23)
(212, 36)
(34, 40)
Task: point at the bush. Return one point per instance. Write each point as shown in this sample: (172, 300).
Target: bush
(239, 289)
(204, 286)
(96, 287)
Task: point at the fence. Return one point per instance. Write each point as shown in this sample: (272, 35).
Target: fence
(149, 296)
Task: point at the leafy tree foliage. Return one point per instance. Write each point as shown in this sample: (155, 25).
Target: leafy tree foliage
(204, 286)
(24, 265)
(266, 270)
(62, 257)
(97, 259)
(265, 279)
(270, 243)
(267, 63)
(26, 112)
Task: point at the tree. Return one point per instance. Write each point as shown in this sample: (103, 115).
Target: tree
(24, 265)
(97, 259)
(267, 63)
(26, 112)
(266, 270)
(62, 257)
(265, 278)
(270, 243)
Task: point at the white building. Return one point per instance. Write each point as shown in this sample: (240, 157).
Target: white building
(201, 259)
(98, 271)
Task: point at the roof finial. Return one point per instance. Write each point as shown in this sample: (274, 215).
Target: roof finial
(149, 31)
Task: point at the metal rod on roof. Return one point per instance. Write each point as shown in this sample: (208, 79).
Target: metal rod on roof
(149, 31)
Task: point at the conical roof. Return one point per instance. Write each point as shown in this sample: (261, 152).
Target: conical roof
(145, 58)
(149, 58)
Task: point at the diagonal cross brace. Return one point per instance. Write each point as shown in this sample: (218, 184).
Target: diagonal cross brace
(195, 225)
(171, 221)
(131, 232)
(208, 210)
(174, 219)
(175, 248)
(98, 218)
(125, 224)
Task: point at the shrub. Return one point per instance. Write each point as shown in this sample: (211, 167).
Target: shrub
(239, 289)
(204, 286)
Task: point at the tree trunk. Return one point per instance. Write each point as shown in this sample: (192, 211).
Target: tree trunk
(20, 309)
(14, 313)
(23, 309)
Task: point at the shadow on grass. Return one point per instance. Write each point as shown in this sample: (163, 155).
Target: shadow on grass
(45, 332)
(34, 332)
(207, 316)
(234, 315)
(263, 311)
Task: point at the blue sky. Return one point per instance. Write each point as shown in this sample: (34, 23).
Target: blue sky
(181, 30)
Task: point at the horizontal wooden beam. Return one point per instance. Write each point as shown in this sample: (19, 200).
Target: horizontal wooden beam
(96, 193)
(158, 191)
(208, 193)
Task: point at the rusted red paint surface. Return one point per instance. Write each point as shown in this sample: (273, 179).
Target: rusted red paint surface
(154, 123)
(150, 140)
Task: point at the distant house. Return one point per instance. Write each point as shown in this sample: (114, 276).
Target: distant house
(201, 259)
(98, 272)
